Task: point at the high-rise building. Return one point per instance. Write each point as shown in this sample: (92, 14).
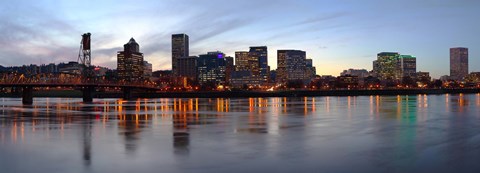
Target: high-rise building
(180, 49)
(130, 62)
(187, 67)
(408, 66)
(296, 65)
(211, 68)
(147, 69)
(308, 62)
(247, 67)
(311, 71)
(260, 54)
(229, 68)
(387, 66)
(281, 66)
(292, 65)
(243, 62)
(458, 63)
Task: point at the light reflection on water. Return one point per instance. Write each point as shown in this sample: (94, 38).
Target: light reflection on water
(328, 134)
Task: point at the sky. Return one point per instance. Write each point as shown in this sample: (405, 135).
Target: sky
(336, 34)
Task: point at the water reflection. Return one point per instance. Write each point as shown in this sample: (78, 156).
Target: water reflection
(390, 132)
(478, 99)
(457, 103)
(87, 141)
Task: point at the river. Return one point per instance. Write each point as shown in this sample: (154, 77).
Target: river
(419, 133)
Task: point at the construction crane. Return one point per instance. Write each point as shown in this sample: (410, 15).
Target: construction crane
(85, 57)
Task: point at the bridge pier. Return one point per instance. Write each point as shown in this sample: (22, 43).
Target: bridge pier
(88, 94)
(27, 95)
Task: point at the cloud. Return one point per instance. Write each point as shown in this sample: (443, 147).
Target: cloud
(34, 39)
(320, 19)
(49, 31)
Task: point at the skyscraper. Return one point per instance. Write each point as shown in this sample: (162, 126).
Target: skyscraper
(260, 54)
(147, 69)
(408, 66)
(387, 65)
(130, 62)
(242, 61)
(251, 68)
(458, 63)
(187, 67)
(296, 65)
(291, 65)
(311, 71)
(281, 66)
(180, 49)
(229, 68)
(211, 68)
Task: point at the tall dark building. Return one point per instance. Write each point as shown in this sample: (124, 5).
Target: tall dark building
(229, 68)
(311, 71)
(211, 68)
(291, 65)
(408, 66)
(458, 63)
(260, 54)
(130, 62)
(281, 66)
(180, 49)
(187, 67)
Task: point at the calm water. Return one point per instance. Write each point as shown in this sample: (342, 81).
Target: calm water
(324, 134)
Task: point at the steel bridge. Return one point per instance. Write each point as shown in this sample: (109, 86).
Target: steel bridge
(87, 85)
(86, 81)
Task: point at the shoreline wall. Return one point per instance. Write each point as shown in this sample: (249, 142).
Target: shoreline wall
(249, 94)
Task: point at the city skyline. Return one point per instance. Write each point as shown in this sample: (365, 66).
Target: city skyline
(336, 35)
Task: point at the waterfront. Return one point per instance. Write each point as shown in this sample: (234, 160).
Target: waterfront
(420, 133)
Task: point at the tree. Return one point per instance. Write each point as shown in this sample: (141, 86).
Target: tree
(437, 84)
(295, 84)
(408, 81)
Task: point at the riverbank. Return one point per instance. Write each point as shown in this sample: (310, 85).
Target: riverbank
(247, 94)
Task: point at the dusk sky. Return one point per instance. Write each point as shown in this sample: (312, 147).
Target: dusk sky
(337, 34)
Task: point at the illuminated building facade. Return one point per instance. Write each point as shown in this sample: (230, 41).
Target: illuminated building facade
(473, 77)
(361, 73)
(242, 75)
(458, 63)
(423, 76)
(211, 68)
(242, 62)
(180, 49)
(130, 62)
(293, 65)
(251, 68)
(260, 54)
(281, 66)
(408, 66)
(387, 66)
